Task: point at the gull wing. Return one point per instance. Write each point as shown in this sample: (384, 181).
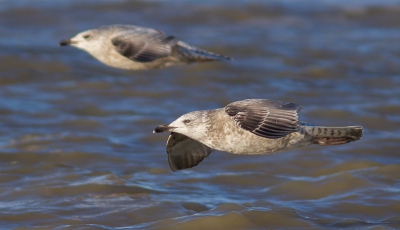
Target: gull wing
(184, 152)
(265, 118)
(144, 46)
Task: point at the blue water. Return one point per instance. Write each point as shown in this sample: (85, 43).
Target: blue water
(76, 144)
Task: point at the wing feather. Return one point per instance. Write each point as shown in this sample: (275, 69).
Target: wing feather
(265, 118)
(144, 47)
(184, 152)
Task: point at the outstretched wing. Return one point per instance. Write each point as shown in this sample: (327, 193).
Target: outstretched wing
(143, 46)
(195, 54)
(265, 118)
(184, 152)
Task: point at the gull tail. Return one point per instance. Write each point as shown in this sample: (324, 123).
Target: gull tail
(190, 53)
(322, 135)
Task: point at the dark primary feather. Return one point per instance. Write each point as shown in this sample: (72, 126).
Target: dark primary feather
(144, 47)
(194, 54)
(184, 152)
(265, 118)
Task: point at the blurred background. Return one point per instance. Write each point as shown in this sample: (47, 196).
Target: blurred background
(76, 144)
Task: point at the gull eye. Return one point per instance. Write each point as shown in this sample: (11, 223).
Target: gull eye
(186, 121)
(86, 36)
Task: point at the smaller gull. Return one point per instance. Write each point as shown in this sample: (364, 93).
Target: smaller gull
(252, 126)
(138, 48)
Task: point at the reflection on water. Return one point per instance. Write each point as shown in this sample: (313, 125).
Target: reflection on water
(77, 149)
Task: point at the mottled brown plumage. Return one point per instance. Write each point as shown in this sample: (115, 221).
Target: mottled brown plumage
(253, 126)
(135, 48)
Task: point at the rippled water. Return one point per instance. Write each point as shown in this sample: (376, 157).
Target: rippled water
(76, 143)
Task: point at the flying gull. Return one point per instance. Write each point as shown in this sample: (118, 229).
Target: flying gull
(138, 48)
(252, 126)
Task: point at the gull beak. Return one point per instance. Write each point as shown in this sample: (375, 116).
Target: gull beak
(66, 42)
(163, 128)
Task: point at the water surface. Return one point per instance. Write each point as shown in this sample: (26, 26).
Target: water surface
(76, 143)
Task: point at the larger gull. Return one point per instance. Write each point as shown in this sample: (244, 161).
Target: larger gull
(252, 126)
(137, 48)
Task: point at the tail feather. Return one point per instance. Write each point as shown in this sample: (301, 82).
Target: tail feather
(333, 135)
(193, 54)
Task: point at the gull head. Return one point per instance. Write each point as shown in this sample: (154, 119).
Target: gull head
(193, 125)
(89, 40)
